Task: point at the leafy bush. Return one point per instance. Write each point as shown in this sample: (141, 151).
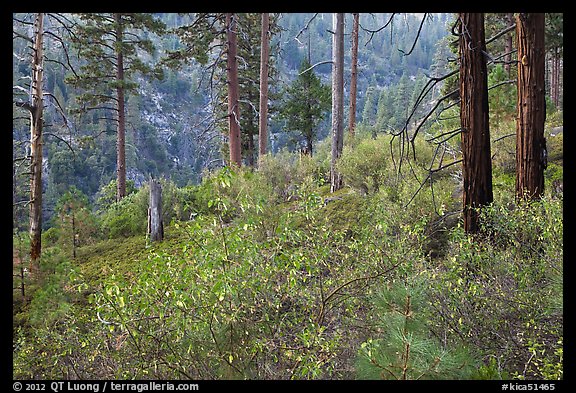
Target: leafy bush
(285, 172)
(106, 195)
(502, 293)
(230, 193)
(127, 217)
(284, 305)
(365, 167)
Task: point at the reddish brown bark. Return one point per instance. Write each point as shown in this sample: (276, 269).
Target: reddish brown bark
(530, 141)
(476, 160)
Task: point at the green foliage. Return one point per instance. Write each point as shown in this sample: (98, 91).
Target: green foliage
(285, 172)
(370, 165)
(231, 192)
(364, 167)
(74, 222)
(502, 99)
(50, 301)
(502, 293)
(273, 294)
(106, 195)
(404, 348)
(305, 104)
(491, 371)
(127, 217)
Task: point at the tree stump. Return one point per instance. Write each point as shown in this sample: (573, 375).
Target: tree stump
(155, 224)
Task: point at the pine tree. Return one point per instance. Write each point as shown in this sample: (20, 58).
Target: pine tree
(404, 348)
(554, 41)
(370, 105)
(208, 40)
(305, 104)
(112, 48)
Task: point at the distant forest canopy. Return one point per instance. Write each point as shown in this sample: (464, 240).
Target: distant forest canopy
(172, 126)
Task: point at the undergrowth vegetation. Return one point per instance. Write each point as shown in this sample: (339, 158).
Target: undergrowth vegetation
(266, 275)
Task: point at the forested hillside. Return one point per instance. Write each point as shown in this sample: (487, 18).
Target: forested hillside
(418, 235)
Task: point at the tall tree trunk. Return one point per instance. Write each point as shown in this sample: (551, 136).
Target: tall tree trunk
(508, 45)
(353, 74)
(36, 125)
(121, 141)
(234, 142)
(549, 75)
(263, 119)
(476, 160)
(337, 98)
(530, 141)
(155, 222)
(309, 147)
(556, 77)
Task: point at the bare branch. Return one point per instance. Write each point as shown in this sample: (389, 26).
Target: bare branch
(417, 36)
(498, 35)
(505, 136)
(63, 140)
(315, 65)
(451, 133)
(18, 35)
(25, 105)
(429, 178)
(372, 32)
(305, 28)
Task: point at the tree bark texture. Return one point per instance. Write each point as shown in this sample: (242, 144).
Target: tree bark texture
(337, 99)
(234, 142)
(353, 74)
(121, 137)
(530, 141)
(263, 118)
(155, 222)
(36, 126)
(477, 163)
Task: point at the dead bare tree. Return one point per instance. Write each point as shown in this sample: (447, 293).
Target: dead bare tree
(36, 99)
(337, 99)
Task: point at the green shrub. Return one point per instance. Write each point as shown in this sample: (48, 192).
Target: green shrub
(285, 172)
(502, 291)
(127, 217)
(106, 195)
(365, 167)
(50, 237)
(404, 348)
(74, 222)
